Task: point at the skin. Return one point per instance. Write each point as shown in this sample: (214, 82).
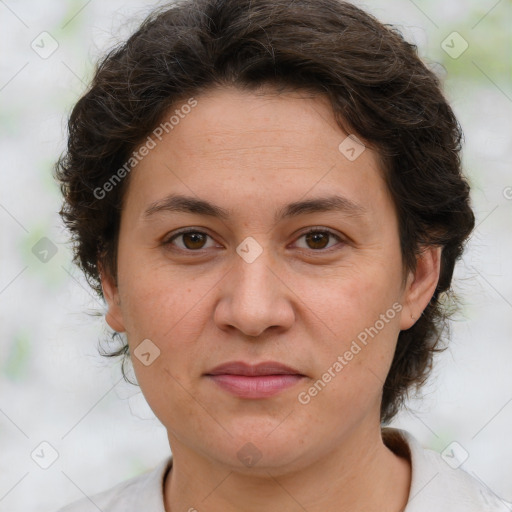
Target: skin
(297, 303)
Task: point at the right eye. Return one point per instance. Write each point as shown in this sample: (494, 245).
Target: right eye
(191, 240)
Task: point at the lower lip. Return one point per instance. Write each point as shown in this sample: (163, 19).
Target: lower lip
(260, 386)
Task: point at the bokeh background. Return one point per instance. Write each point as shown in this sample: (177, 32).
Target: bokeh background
(57, 390)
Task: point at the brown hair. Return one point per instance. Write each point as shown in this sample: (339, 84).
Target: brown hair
(378, 87)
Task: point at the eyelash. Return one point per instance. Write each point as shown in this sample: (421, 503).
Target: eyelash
(168, 241)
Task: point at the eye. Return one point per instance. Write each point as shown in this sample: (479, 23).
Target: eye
(318, 239)
(191, 240)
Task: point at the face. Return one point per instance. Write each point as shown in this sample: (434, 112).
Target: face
(295, 260)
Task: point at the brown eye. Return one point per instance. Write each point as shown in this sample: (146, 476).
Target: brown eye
(190, 240)
(194, 240)
(318, 240)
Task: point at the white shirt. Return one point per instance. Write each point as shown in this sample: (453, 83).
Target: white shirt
(435, 486)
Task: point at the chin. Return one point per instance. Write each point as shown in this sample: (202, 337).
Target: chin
(260, 445)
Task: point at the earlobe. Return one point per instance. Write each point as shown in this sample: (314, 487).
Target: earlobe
(113, 316)
(421, 285)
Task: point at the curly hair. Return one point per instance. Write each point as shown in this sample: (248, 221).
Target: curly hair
(377, 86)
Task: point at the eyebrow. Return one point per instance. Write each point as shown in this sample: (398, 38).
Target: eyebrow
(189, 204)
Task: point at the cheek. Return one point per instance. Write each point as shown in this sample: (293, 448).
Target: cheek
(170, 398)
(353, 299)
(351, 370)
(362, 313)
(170, 310)
(156, 298)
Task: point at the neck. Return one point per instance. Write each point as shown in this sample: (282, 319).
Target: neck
(360, 474)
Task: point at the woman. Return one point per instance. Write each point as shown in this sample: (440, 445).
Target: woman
(268, 196)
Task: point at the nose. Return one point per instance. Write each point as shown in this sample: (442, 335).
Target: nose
(254, 298)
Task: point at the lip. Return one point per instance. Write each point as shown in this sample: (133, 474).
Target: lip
(254, 381)
(253, 370)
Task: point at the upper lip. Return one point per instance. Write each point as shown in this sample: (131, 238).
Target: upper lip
(252, 370)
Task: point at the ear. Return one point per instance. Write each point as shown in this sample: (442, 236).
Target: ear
(113, 316)
(421, 285)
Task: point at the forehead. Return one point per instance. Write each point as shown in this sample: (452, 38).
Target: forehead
(276, 147)
(232, 119)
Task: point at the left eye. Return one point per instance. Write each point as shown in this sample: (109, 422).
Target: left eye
(318, 239)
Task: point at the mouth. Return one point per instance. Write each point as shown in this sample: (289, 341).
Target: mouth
(254, 381)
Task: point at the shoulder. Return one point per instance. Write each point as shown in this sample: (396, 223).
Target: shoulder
(436, 485)
(143, 492)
